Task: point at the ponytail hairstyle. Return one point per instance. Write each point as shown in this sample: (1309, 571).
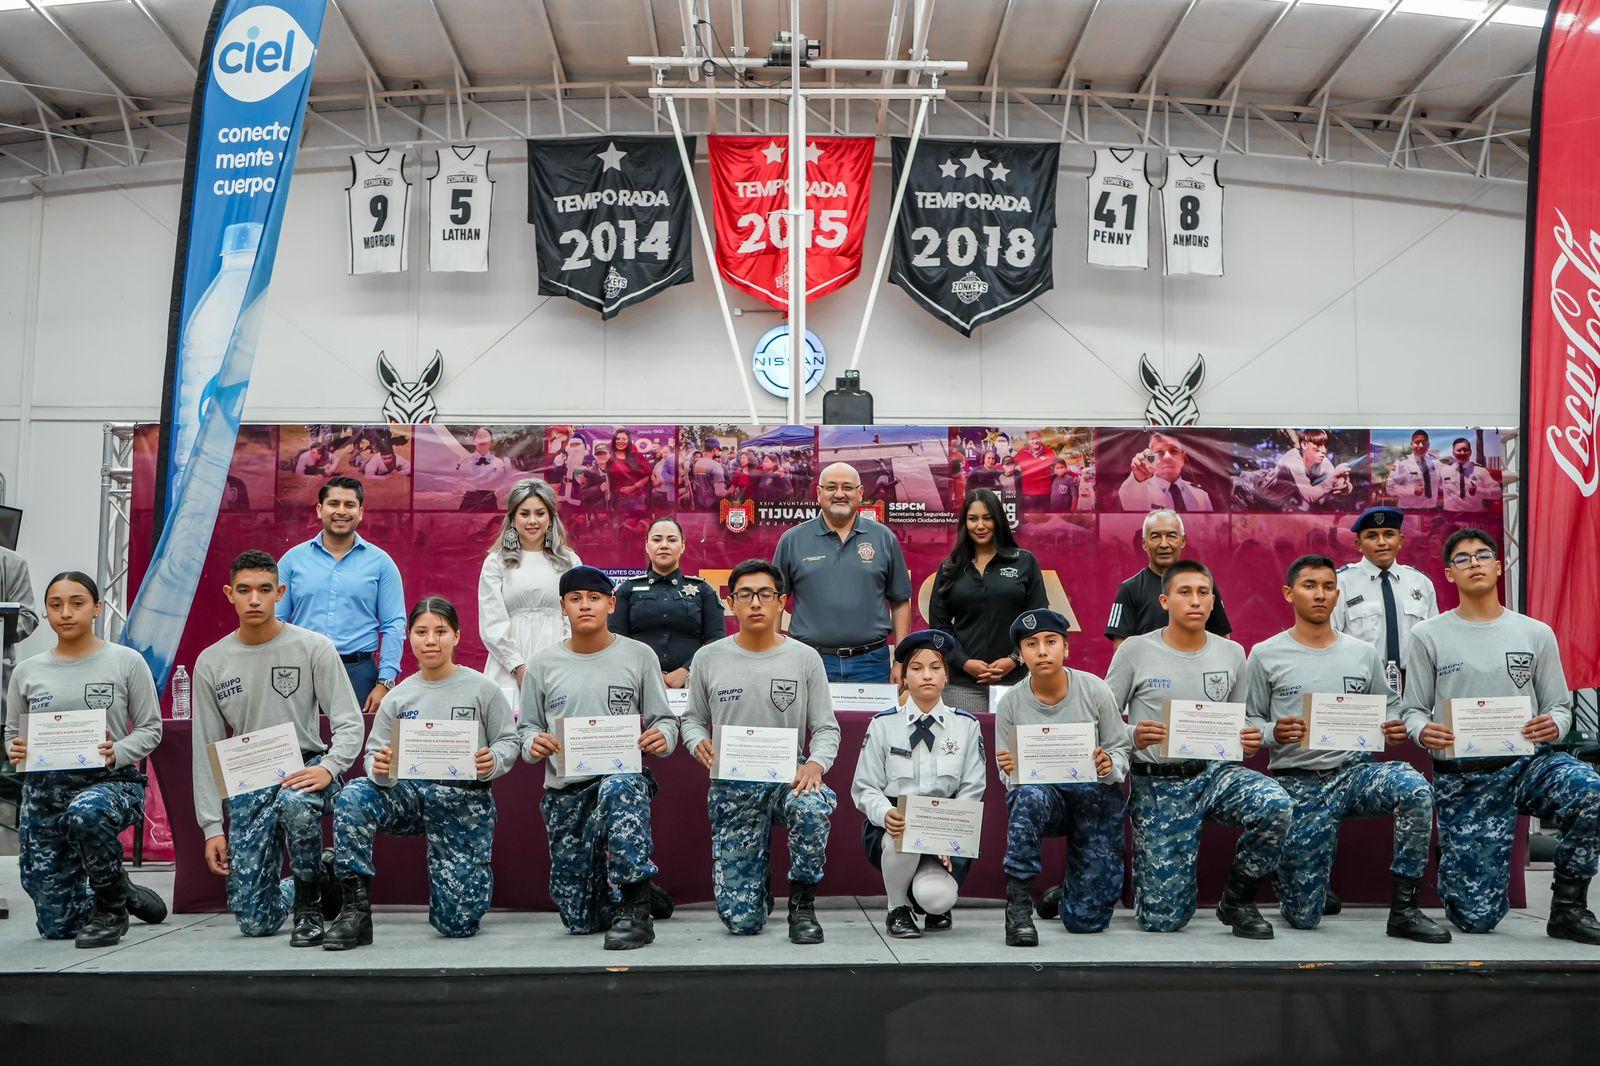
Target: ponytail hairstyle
(555, 538)
(77, 577)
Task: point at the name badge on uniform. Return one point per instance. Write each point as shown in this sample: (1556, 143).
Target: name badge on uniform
(900, 751)
(1353, 600)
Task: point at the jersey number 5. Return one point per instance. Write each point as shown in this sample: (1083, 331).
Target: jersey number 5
(460, 206)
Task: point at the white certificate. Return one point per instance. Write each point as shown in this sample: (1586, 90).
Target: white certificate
(1204, 730)
(258, 760)
(935, 826)
(64, 740)
(848, 696)
(678, 701)
(594, 747)
(1485, 726)
(996, 692)
(1337, 721)
(756, 753)
(435, 749)
(1059, 754)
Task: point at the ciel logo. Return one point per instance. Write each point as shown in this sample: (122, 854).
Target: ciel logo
(259, 52)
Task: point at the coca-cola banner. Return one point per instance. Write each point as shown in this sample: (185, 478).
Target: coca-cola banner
(1560, 514)
(1252, 500)
(750, 202)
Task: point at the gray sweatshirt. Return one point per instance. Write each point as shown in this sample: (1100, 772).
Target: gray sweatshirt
(240, 688)
(787, 686)
(1282, 670)
(1146, 672)
(114, 678)
(1088, 699)
(1450, 658)
(624, 678)
(15, 587)
(465, 695)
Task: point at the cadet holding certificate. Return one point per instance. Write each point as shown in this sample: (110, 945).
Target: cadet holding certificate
(1171, 798)
(761, 678)
(90, 706)
(1482, 650)
(1088, 812)
(1312, 663)
(598, 823)
(438, 739)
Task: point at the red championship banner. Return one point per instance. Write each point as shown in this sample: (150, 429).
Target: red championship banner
(1560, 519)
(750, 198)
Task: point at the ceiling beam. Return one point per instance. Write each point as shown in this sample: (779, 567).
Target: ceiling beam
(449, 43)
(991, 69)
(189, 61)
(650, 24)
(1237, 75)
(542, 16)
(1070, 72)
(367, 64)
(1455, 46)
(1499, 96)
(1325, 87)
(1166, 46)
(33, 97)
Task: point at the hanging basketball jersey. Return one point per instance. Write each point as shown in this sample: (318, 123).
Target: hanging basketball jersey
(1191, 203)
(379, 195)
(459, 195)
(1119, 209)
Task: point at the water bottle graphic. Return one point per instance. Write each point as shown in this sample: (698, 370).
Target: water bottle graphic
(205, 338)
(181, 707)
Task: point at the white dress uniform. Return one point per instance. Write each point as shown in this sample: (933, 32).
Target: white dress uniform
(1155, 493)
(1359, 611)
(1416, 484)
(1468, 487)
(1191, 203)
(378, 196)
(1119, 209)
(519, 613)
(460, 194)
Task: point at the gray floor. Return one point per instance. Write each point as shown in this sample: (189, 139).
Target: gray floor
(694, 938)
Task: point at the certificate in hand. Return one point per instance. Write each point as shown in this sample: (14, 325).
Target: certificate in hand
(848, 696)
(936, 826)
(1338, 721)
(1489, 725)
(435, 749)
(1060, 754)
(594, 747)
(253, 761)
(1198, 730)
(64, 740)
(756, 753)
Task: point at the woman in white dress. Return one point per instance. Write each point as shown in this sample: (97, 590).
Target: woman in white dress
(519, 608)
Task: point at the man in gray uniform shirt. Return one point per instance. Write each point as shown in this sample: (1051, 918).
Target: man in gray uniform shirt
(758, 677)
(1479, 650)
(15, 587)
(264, 674)
(1330, 786)
(1172, 797)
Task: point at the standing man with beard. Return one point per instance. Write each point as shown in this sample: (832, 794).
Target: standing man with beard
(1137, 609)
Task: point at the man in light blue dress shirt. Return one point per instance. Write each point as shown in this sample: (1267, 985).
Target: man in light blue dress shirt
(349, 590)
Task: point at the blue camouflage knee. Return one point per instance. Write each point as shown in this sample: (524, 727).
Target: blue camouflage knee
(808, 819)
(624, 806)
(460, 827)
(1029, 811)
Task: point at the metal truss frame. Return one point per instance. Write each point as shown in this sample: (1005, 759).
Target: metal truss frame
(116, 524)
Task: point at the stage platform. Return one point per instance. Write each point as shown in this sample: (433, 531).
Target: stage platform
(524, 989)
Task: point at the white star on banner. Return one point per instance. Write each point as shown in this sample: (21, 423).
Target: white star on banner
(999, 172)
(774, 152)
(611, 158)
(813, 153)
(974, 164)
(948, 168)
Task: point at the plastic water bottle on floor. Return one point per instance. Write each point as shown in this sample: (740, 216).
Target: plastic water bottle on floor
(181, 707)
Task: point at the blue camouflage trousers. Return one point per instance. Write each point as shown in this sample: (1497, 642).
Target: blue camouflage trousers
(599, 839)
(262, 826)
(459, 825)
(1090, 817)
(1478, 819)
(69, 827)
(1167, 816)
(1356, 790)
(742, 816)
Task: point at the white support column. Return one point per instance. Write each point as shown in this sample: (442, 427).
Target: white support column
(798, 231)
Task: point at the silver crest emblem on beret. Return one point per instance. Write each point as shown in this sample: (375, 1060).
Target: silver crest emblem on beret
(1029, 622)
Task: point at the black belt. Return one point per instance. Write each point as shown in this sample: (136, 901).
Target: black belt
(1186, 768)
(850, 653)
(1489, 765)
(1307, 772)
(357, 657)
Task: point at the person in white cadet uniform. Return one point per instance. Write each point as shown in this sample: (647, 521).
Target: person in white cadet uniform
(1415, 479)
(922, 749)
(1380, 598)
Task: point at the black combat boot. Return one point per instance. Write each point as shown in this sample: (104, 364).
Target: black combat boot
(1238, 907)
(632, 927)
(353, 927)
(803, 925)
(1331, 904)
(109, 918)
(661, 905)
(307, 929)
(332, 899)
(1406, 919)
(936, 923)
(1020, 932)
(143, 903)
(901, 925)
(1570, 916)
(1049, 905)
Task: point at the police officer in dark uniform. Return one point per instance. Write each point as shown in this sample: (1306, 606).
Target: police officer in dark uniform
(666, 609)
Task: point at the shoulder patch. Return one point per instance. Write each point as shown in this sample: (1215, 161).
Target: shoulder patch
(884, 714)
(1343, 568)
(966, 714)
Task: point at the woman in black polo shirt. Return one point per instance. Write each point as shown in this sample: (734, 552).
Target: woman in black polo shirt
(978, 592)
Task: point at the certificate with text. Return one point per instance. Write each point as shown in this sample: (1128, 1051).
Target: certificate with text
(1056, 754)
(1344, 721)
(64, 740)
(253, 761)
(849, 696)
(1198, 730)
(756, 753)
(938, 826)
(594, 747)
(433, 749)
(1487, 725)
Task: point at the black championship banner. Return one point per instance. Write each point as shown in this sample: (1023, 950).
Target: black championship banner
(973, 240)
(611, 218)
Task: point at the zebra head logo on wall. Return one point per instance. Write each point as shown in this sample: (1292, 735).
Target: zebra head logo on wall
(1172, 405)
(410, 402)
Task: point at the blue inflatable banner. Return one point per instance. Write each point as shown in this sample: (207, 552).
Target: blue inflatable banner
(249, 103)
